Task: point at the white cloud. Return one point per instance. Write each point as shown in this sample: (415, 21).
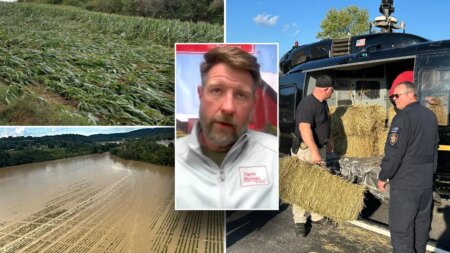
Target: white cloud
(266, 19)
(19, 131)
(271, 79)
(285, 28)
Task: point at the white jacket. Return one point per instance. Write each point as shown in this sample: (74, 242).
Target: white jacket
(247, 178)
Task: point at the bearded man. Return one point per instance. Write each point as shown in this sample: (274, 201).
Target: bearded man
(222, 165)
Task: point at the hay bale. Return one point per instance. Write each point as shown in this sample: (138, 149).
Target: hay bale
(382, 133)
(357, 130)
(360, 147)
(315, 189)
(355, 146)
(440, 109)
(391, 115)
(359, 120)
(381, 142)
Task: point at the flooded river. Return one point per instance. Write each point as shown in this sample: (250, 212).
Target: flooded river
(99, 203)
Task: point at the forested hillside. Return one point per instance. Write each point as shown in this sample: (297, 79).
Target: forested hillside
(141, 145)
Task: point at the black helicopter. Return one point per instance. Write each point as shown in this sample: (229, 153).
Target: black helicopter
(364, 67)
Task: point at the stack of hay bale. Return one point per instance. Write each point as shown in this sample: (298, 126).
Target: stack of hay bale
(359, 131)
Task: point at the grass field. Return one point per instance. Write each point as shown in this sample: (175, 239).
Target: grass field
(66, 66)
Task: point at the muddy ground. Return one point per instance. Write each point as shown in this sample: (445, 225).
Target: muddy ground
(99, 204)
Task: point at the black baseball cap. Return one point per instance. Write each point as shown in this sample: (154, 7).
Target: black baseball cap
(324, 81)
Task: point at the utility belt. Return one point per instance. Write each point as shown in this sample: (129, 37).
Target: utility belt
(303, 146)
(297, 144)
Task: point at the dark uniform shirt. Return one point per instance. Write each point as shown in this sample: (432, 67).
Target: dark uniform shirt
(411, 148)
(312, 111)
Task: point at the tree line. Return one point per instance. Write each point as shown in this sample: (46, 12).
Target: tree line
(146, 150)
(22, 150)
(210, 11)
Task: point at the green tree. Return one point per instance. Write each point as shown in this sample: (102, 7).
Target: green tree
(343, 23)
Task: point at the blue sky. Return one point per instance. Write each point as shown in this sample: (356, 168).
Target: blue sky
(187, 78)
(288, 21)
(56, 130)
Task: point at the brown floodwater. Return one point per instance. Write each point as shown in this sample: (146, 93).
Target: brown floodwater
(99, 203)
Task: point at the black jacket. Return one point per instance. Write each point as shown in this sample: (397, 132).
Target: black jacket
(410, 158)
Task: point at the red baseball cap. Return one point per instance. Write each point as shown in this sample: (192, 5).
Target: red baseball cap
(402, 77)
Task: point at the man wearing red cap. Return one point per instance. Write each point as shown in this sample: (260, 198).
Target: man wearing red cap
(402, 77)
(409, 163)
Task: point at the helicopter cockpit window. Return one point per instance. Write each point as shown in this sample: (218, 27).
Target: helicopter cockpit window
(435, 92)
(299, 57)
(319, 51)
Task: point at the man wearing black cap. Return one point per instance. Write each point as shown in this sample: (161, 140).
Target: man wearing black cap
(313, 121)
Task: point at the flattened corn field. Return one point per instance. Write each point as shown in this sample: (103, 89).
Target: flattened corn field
(99, 204)
(67, 66)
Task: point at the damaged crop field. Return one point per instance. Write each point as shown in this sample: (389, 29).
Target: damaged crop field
(67, 66)
(98, 203)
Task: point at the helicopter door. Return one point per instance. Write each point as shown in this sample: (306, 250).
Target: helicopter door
(359, 91)
(368, 92)
(433, 78)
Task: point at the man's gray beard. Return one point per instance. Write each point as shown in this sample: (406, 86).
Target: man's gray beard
(220, 138)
